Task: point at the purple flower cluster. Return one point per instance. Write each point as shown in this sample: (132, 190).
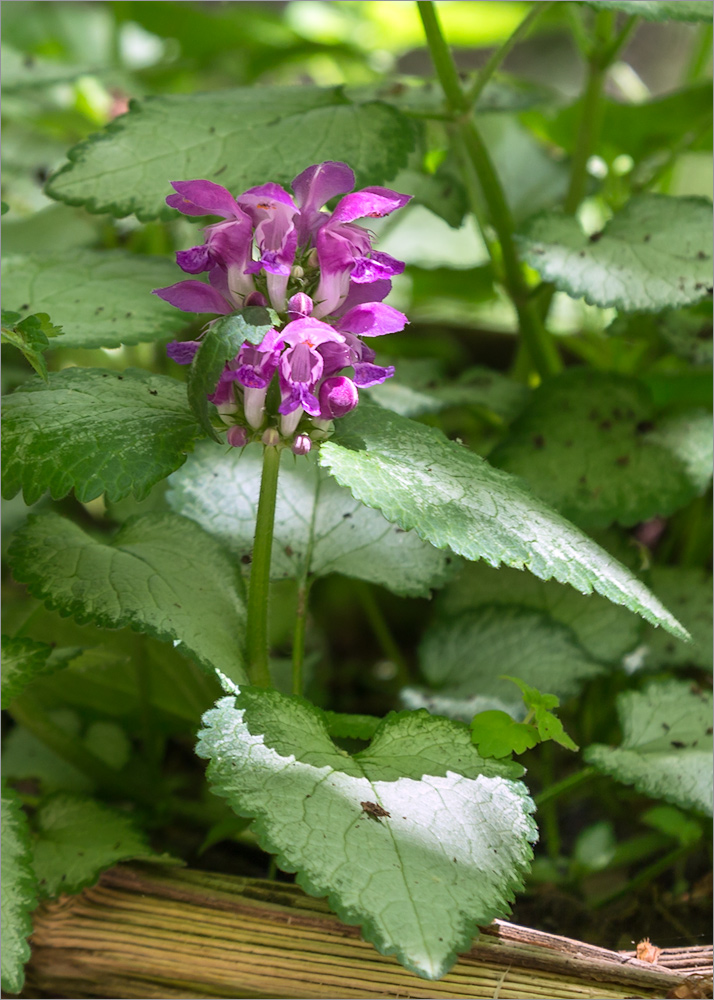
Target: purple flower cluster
(315, 268)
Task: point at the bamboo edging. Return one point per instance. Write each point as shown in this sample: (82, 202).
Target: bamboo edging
(146, 932)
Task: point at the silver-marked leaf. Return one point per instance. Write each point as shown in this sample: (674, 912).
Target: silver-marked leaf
(589, 444)
(102, 298)
(19, 891)
(654, 254)
(688, 591)
(452, 497)
(446, 832)
(689, 333)
(75, 839)
(94, 431)
(160, 574)
(319, 527)
(237, 138)
(666, 749)
(463, 660)
(25, 659)
(604, 630)
(660, 10)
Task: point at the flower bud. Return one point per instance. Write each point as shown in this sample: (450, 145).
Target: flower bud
(301, 445)
(297, 271)
(312, 258)
(254, 406)
(237, 436)
(299, 306)
(255, 299)
(195, 260)
(338, 395)
(270, 438)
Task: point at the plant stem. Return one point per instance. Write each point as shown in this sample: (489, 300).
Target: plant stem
(542, 348)
(566, 785)
(646, 875)
(498, 56)
(259, 587)
(28, 712)
(303, 596)
(381, 631)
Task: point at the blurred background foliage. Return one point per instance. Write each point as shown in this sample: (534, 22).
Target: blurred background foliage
(70, 68)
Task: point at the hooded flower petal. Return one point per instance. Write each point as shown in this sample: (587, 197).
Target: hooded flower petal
(194, 296)
(313, 188)
(203, 198)
(372, 319)
(183, 351)
(369, 203)
(338, 396)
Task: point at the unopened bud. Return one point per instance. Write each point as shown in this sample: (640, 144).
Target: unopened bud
(270, 438)
(301, 445)
(312, 258)
(338, 395)
(237, 436)
(255, 299)
(297, 271)
(299, 306)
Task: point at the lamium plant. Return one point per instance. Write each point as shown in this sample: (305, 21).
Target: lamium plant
(231, 487)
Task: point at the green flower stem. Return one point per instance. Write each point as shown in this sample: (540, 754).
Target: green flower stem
(28, 712)
(381, 631)
(540, 345)
(566, 785)
(498, 56)
(259, 587)
(303, 596)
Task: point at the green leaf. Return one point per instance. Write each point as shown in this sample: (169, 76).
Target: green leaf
(94, 431)
(56, 228)
(610, 460)
(4, 208)
(666, 747)
(25, 659)
(497, 734)
(673, 823)
(415, 389)
(31, 336)
(356, 727)
(319, 527)
(660, 10)
(654, 254)
(447, 836)
(689, 593)
(75, 839)
(605, 631)
(26, 756)
(464, 660)
(451, 496)
(688, 436)
(19, 891)
(160, 574)
(689, 333)
(102, 298)
(221, 343)
(238, 138)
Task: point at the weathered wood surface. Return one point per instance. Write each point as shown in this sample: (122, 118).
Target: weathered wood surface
(149, 932)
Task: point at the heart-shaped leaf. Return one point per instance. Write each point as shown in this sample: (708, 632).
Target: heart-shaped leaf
(94, 431)
(101, 298)
(19, 891)
(446, 832)
(160, 574)
(464, 660)
(76, 838)
(238, 137)
(451, 496)
(612, 459)
(666, 749)
(655, 254)
(319, 527)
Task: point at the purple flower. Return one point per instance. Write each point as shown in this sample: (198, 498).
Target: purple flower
(271, 210)
(369, 319)
(338, 395)
(183, 351)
